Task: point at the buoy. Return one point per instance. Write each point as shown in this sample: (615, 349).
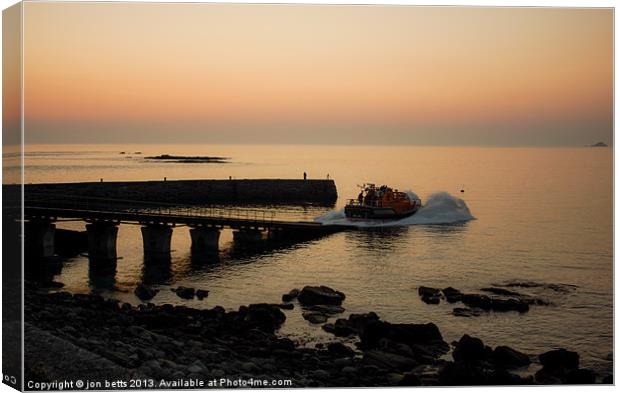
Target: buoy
(463, 188)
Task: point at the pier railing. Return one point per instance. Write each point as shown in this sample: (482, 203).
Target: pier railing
(110, 205)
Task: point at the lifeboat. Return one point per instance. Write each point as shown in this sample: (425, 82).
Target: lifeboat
(381, 203)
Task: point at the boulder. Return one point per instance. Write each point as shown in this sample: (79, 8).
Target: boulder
(286, 306)
(558, 359)
(266, 317)
(359, 321)
(581, 376)
(310, 296)
(507, 357)
(469, 350)
(428, 291)
(201, 293)
(340, 350)
(185, 292)
(144, 292)
(314, 317)
(452, 295)
(343, 328)
(435, 299)
(410, 379)
(424, 341)
(326, 309)
(387, 360)
(329, 328)
(291, 295)
(476, 300)
(509, 305)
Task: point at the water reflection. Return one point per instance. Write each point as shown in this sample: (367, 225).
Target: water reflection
(201, 259)
(158, 271)
(382, 239)
(102, 274)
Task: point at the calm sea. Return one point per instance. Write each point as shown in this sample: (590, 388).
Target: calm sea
(541, 215)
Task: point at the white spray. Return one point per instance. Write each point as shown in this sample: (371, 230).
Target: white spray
(440, 208)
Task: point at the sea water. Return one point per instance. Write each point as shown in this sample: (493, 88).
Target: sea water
(535, 215)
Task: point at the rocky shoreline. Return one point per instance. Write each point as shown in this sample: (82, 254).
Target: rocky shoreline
(166, 343)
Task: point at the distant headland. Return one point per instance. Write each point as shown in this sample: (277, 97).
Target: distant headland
(599, 144)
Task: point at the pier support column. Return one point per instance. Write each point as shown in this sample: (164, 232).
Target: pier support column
(102, 240)
(156, 240)
(205, 240)
(39, 236)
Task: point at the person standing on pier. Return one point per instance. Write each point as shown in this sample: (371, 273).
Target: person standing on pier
(305, 175)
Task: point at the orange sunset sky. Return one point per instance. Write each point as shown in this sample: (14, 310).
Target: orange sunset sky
(207, 73)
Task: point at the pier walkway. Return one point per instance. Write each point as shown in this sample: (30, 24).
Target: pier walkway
(104, 215)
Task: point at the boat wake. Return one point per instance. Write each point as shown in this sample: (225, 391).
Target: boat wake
(440, 208)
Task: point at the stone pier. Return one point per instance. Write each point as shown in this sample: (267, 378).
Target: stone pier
(102, 240)
(205, 240)
(39, 236)
(156, 239)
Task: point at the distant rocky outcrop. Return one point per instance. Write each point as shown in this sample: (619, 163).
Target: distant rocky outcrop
(599, 144)
(188, 159)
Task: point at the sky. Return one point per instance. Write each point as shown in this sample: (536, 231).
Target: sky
(303, 74)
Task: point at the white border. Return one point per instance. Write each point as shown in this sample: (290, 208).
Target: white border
(479, 3)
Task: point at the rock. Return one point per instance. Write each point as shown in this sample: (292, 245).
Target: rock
(374, 332)
(507, 357)
(559, 358)
(201, 293)
(286, 306)
(326, 309)
(314, 317)
(452, 295)
(411, 333)
(608, 379)
(340, 350)
(266, 317)
(486, 303)
(51, 285)
(320, 374)
(424, 341)
(477, 300)
(349, 370)
(388, 361)
(581, 376)
(431, 299)
(194, 369)
(292, 295)
(359, 321)
(310, 296)
(427, 291)
(465, 312)
(410, 379)
(329, 328)
(185, 292)
(144, 292)
(545, 377)
(249, 367)
(342, 328)
(469, 350)
(509, 305)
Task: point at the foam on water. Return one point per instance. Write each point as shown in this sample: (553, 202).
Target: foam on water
(440, 208)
